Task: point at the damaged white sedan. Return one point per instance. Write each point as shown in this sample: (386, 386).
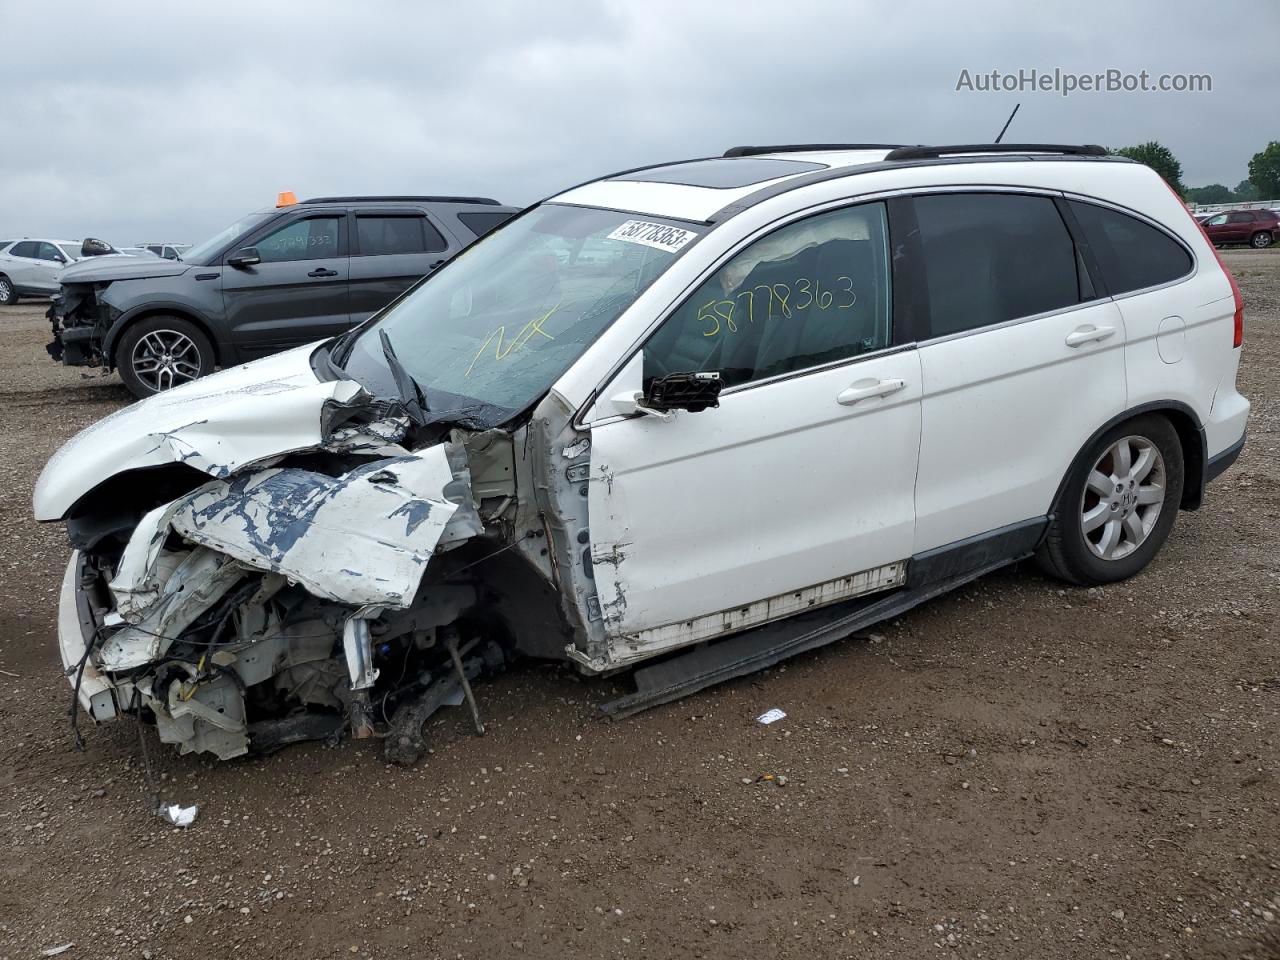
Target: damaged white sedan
(702, 416)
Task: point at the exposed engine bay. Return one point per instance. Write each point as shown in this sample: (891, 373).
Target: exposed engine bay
(353, 586)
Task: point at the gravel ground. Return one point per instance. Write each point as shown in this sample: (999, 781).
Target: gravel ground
(1015, 770)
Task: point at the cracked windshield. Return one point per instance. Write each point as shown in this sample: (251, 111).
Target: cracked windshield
(492, 331)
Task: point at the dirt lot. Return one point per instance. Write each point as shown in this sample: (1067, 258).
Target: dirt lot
(1016, 770)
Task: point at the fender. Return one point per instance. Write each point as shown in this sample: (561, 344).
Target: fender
(1194, 447)
(178, 308)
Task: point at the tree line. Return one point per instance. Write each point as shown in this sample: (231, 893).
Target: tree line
(1263, 182)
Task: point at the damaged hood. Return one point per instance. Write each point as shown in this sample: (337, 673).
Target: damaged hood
(107, 269)
(217, 425)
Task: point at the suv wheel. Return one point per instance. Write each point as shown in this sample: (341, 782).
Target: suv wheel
(160, 353)
(1260, 240)
(1117, 505)
(8, 295)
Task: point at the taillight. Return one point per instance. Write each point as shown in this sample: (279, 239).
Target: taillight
(1237, 337)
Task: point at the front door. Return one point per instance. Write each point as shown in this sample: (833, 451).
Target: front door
(296, 294)
(798, 489)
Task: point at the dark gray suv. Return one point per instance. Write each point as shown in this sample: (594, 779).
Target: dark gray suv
(274, 279)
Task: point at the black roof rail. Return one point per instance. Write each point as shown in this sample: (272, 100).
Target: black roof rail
(1067, 149)
(401, 199)
(805, 147)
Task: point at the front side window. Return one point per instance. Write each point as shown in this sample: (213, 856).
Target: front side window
(1217, 221)
(1131, 254)
(488, 334)
(312, 239)
(383, 236)
(47, 251)
(994, 257)
(810, 293)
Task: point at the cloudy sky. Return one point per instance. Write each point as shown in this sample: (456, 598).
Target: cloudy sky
(134, 121)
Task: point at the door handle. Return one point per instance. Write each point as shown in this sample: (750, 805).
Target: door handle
(867, 389)
(1087, 334)
(322, 272)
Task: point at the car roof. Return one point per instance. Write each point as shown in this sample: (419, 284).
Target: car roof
(705, 189)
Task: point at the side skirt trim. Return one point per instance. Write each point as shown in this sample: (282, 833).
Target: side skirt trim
(932, 574)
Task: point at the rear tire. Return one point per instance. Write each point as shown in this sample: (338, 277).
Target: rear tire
(1118, 504)
(159, 353)
(8, 293)
(1260, 240)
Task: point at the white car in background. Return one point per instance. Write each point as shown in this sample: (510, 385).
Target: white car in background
(29, 268)
(786, 394)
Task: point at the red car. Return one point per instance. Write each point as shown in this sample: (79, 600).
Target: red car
(1258, 228)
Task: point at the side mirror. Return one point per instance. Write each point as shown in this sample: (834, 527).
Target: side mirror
(693, 392)
(95, 248)
(244, 257)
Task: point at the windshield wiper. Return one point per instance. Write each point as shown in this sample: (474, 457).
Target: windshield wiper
(411, 395)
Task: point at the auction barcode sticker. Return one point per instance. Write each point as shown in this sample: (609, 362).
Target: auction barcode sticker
(657, 235)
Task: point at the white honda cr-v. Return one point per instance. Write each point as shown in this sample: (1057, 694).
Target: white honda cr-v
(703, 414)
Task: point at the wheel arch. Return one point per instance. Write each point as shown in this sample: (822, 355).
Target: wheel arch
(1185, 422)
(112, 340)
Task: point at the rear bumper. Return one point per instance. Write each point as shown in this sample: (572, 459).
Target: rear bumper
(1218, 464)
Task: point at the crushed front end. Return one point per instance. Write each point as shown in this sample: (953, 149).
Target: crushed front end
(353, 585)
(80, 321)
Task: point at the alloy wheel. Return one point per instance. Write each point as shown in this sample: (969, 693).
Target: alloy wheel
(1261, 240)
(6, 291)
(163, 359)
(1123, 497)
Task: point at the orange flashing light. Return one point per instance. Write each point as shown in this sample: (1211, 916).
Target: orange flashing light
(285, 198)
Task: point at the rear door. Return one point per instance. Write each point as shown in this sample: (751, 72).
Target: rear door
(298, 293)
(1022, 360)
(390, 251)
(1239, 226)
(21, 265)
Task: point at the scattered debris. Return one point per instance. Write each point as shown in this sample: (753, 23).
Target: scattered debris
(179, 815)
(770, 716)
(54, 951)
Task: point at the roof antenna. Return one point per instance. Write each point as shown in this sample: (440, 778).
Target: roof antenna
(1007, 122)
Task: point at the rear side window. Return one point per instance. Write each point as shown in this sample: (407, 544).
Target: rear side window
(482, 223)
(25, 248)
(383, 236)
(1131, 254)
(991, 257)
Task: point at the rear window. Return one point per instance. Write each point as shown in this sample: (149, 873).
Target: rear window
(992, 257)
(482, 223)
(1132, 254)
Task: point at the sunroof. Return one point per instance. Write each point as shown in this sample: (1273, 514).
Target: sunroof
(723, 172)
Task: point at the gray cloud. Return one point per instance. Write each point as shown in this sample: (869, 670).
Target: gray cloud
(138, 121)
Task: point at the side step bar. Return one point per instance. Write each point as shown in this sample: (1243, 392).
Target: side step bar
(762, 647)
